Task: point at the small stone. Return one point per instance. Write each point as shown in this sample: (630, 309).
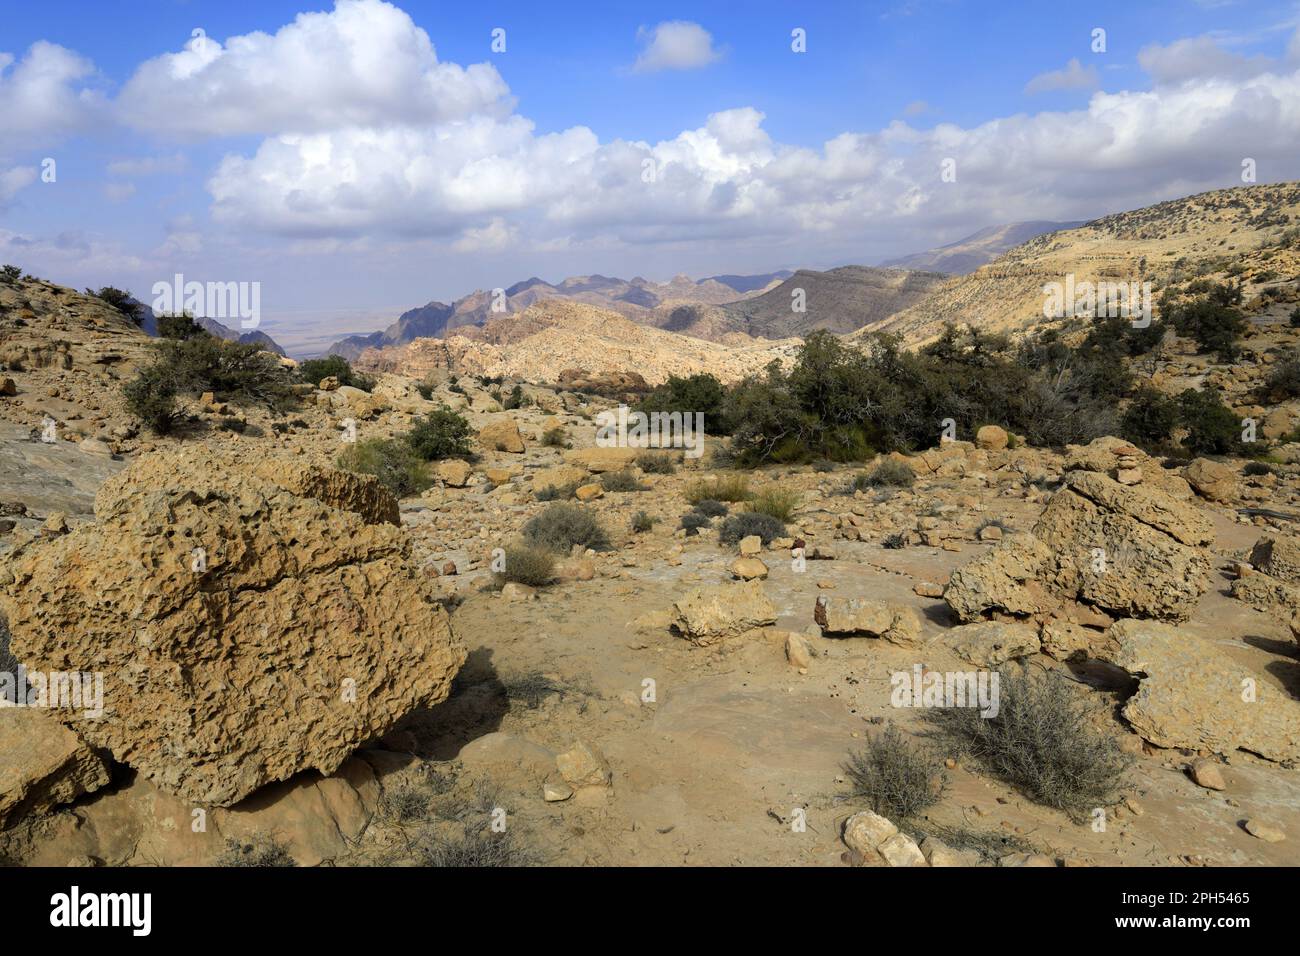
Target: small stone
(589, 492)
(556, 792)
(751, 545)
(797, 651)
(583, 765)
(901, 850)
(1206, 773)
(1267, 832)
(866, 831)
(749, 569)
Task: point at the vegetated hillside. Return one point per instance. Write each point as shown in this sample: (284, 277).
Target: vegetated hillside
(839, 300)
(555, 336)
(637, 299)
(149, 323)
(1243, 229)
(977, 249)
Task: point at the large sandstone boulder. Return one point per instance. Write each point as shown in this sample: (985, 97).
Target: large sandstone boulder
(896, 623)
(246, 632)
(1211, 479)
(1132, 551)
(502, 435)
(1278, 556)
(708, 614)
(1192, 696)
(42, 764)
(601, 459)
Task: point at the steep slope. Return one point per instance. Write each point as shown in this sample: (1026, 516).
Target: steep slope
(1247, 229)
(555, 336)
(840, 300)
(968, 254)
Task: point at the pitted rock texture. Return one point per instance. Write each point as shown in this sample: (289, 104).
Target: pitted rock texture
(245, 632)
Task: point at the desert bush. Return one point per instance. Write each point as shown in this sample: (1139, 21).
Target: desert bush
(178, 326)
(531, 688)
(561, 526)
(694, 393)
(1150, 418)
(714, 509)
(1043, 742)
(238, 371)
(151, 398)
(1294, 318)
(556, 492)
(472, 847)
(1213, 321)
(405, 802)
(891, 473)
(729, 488)
(260, 850)
(391, 460)
(516, 399)
(894, 542)
(527, 564)
(11, 274)
(693, 521)
(1257, 468)
(1284, 379)
(555, 437)
(896, 776)
(750, 522)
(642, 522)
(621, 481)
(775, 501)
(440, 434)
(121, 300)
(1212, 427)
(425, 389)
(336, 366)
(656, 463)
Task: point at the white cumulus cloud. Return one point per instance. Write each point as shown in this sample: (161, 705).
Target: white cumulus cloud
(675, 45)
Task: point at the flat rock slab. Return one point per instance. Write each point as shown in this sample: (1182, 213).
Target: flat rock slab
(50, 477)
(42, 764)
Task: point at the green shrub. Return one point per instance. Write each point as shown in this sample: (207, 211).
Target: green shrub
(1284, 379)
(693, 521)
(714, 509)
(426, 389)
(561, 526)
(151, 398)
(694, 393)
(748, 523)
(392, 461)
(656, 463)
(1257, 468)
(621, 481)
(1212, 427)
(555, 437)
(895, 776)
(11, 274)
(314, 370)
(778, 502)
(121, 300)
(1042, 741)
(178, 326)
(642, 522)
(730, 488)
(891, 473)
(1150, 418)
(1294, 318)
(556, 492)
(516, 399)
(526, 564)
(238, 371)
(1213, 322)
(440, 434)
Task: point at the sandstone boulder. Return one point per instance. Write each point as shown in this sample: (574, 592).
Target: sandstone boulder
(1211, 479)
(599, 460)
(1278, 556)
(42, 764)
(990, 644)
(561, 476)
(502, 435)
(896, 623)
(247, 632)
(991, 438)
(455, 473)
(708, 614)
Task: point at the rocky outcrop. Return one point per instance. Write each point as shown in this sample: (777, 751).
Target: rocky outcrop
(1192, 696)
(1278, 556)
(246, 632)
(1132, 551)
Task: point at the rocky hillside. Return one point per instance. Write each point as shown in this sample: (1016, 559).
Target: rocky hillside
(555, 336)
(1247, 233)
(637, 299)
(841, 300)
(968, 254)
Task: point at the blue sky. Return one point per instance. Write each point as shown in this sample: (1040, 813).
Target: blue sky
(241, 163)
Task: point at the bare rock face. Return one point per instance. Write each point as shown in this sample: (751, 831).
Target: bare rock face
(1190, 696)
(245, 632)
(708, 614)
(1133, 551)
(42, 764)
